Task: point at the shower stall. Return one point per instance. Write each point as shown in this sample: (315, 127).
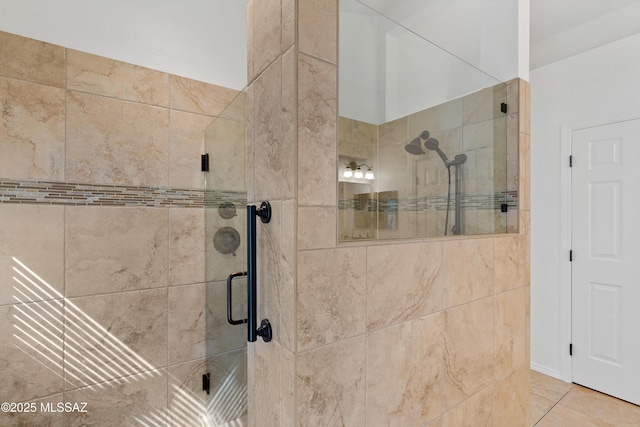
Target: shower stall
(117, 244)
(436, 130)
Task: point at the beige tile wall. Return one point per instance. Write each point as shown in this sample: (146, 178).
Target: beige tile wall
(125, 284)
(424, 332)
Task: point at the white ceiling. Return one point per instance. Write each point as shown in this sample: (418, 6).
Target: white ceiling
(563, 28)
(559, 28)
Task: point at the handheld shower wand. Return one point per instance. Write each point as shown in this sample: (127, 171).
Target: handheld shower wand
(415, 147)
(434, 145)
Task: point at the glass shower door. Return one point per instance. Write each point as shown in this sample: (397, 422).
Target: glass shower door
(226, 253)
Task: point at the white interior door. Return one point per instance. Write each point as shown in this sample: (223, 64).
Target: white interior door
(606, 259)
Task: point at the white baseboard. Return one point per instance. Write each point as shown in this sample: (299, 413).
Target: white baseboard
(547, 371)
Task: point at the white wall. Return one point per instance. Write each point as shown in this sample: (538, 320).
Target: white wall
(360, 74)
(387, 72)
(201, 39)
(420, 75)
(492, 35)
(599, 85)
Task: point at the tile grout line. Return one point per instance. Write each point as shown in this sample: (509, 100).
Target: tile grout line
(554, 405)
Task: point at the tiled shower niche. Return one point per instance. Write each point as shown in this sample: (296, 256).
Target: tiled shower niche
(409, 194)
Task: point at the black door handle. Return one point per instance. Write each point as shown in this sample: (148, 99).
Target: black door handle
(252, 298)
(230, 299)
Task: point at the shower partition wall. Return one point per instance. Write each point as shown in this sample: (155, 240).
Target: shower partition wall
(225, 252)
(434, 129)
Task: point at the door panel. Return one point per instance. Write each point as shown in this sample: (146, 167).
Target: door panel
(225, 252)
(605, 217)
(605, 322)
(606, 259)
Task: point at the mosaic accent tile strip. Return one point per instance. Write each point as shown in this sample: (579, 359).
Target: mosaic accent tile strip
(81, 194)
(480, 201)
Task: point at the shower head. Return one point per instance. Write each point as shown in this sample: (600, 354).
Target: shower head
(414, 147)
(433, 144)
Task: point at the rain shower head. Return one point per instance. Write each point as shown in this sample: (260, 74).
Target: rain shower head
(414, 147)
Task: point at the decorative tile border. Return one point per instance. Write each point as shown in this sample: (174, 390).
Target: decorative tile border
(81, 194)
(492, 201)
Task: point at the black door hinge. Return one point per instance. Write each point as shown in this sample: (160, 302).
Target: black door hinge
(571, 256)
(503, 107)
(204, 162)
(571, 161)
(206, 382)
(570, 349)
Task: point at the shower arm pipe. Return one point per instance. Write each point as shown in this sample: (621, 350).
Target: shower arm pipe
(252, 272)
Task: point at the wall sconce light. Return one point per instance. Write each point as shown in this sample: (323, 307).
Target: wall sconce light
(353, 170)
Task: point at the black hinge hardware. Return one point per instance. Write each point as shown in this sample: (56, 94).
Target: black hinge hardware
(206, 382)
(570, 349)
(504, 207)
(503, 107)
(570, 255)
(570, 161)
(204, 162)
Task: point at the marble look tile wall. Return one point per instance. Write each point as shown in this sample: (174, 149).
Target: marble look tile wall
(102, 287)
(331, 296)
(199, 97)
(113, 249)
(427, 332)
(317, 128)
(26, 377)
(117, 116)
(115, 141)
(44, 254)
(103, 76)
(32, 60)
(272, 169)
(31, 130)
(143, 398)
(331, 385)
(410, 290)
(468, 271)
(408, 358)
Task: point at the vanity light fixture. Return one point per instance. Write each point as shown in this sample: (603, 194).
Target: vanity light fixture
(369, 174)
(354, 170)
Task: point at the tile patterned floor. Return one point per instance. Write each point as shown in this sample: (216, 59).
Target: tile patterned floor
(555, 403)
